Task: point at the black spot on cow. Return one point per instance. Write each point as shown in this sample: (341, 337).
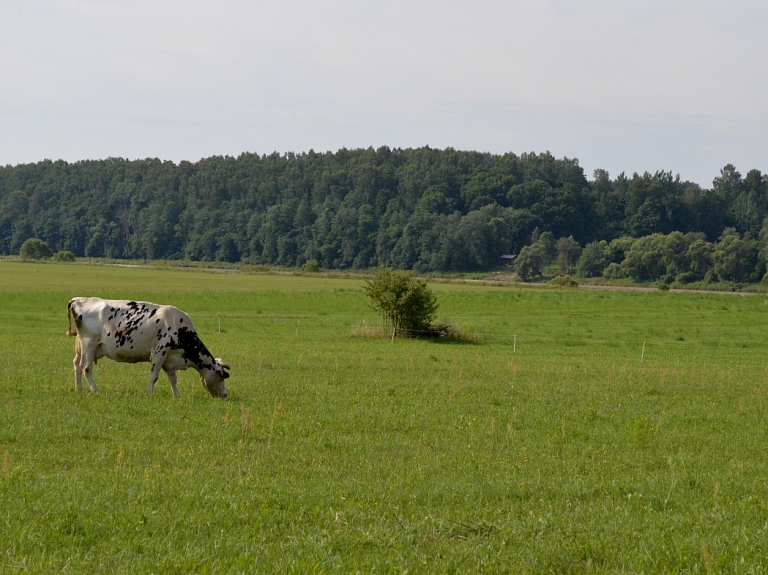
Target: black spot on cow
(192, 349)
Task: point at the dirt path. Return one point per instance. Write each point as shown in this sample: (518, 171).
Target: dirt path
(639, 288)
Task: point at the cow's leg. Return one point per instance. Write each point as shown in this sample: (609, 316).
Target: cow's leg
(172, 378)
(157, 362)
(86, 364)
(78, 365)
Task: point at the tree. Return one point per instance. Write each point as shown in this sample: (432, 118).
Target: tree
(549, 246)
(734, 259)
(35, 249)
(645, 259)
(699, 255)
(593, 260)
(530, 261)
(406, 304)
(416, 209)
(568, 252)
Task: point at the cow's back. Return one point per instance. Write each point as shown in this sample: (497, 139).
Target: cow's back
(123, 330)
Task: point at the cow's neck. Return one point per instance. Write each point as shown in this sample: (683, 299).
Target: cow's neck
(194, 351)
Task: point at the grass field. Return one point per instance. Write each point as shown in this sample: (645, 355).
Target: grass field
(605, 432)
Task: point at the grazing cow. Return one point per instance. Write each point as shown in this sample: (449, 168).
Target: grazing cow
(131, 331)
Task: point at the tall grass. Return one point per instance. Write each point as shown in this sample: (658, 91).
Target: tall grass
(553, 445)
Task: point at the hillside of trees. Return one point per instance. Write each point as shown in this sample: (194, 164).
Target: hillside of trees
(423, 209)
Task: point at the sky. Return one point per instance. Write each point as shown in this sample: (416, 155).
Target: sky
(674, 85)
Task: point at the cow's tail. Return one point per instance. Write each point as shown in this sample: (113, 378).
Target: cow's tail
(71, 331)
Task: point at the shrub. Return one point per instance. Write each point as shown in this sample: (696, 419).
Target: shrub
(64, 256)
(565, 281)
(406, 304)
(35, 249)
(311, 266)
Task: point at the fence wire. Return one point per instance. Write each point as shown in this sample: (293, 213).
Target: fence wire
(297, 325)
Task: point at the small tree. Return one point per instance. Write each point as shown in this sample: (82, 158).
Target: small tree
(406, 304)
(35, 249)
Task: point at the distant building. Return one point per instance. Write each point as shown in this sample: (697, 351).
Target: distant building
(507, 259)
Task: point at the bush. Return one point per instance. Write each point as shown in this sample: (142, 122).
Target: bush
(35, 249)
(64, 256)
(565, 281)
(311, 266)
(406, 304)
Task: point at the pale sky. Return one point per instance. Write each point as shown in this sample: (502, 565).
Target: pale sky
(677, 85)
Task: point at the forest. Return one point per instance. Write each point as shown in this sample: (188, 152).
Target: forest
(423, 209)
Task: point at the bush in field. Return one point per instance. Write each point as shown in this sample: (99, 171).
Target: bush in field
(565, 281)
(35, 249)
(406, 304)
(64, 256)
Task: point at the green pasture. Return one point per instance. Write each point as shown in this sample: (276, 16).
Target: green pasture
(585, 432)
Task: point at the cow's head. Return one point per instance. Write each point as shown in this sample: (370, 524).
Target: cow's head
(213, 379)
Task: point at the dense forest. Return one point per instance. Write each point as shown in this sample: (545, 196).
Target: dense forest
(424, 209)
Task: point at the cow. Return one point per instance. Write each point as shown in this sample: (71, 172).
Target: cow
(135, 331)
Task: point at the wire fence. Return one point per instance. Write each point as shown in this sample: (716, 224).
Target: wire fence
(309, 325)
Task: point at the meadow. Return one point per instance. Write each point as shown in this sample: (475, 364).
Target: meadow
(583, 432)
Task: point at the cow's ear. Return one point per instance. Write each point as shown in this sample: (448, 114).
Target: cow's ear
(224, 375)
(222, 364)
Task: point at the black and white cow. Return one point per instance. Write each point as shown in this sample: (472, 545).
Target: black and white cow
(134, 331)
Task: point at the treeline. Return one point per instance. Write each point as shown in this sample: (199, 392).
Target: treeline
(423, 209)
(666, 258)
